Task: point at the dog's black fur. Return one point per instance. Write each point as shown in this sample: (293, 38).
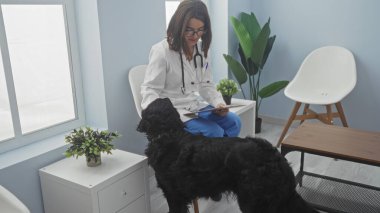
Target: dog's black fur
(189, 166)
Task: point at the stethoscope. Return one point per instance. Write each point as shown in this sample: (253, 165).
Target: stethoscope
(197, 54)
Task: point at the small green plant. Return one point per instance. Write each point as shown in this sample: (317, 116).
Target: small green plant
(89, 142)
(227, 87)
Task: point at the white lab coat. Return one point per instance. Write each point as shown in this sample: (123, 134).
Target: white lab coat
(163, 79)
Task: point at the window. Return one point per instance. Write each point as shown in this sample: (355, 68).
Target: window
(39, 74)
(170, 6)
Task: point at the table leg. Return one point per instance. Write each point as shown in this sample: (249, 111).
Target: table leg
(301, 167)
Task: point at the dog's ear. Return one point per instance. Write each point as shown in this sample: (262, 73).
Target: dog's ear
(160, 116)
(143, 126)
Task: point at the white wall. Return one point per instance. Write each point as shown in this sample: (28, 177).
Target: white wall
(224, 40)
(91, 63)
(218, 10)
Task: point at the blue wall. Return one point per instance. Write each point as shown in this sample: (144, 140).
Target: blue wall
(304, 25)
(128, 29)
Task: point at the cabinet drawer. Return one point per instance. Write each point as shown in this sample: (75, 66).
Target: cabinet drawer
(136, 207)
(121, 193)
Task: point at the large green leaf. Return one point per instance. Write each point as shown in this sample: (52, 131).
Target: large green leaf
(248, 64)
(252, 68)
(243, 36)
(243, 59)
(268, 49)
(260, 44)
(236, 68)
(272, 89)
(251, 24)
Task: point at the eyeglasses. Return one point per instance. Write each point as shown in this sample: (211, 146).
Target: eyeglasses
(192, 32)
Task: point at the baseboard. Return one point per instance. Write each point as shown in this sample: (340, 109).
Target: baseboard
(272, 120)
(296, 123)
(277, 121)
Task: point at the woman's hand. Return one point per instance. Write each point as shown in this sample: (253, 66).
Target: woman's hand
(220, 109)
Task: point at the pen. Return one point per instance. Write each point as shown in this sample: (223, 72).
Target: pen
(204, 71)
(206, 66)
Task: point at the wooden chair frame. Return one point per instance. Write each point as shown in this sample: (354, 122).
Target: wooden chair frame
(326, 118)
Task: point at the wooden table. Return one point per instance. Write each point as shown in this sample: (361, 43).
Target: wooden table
(329, 193)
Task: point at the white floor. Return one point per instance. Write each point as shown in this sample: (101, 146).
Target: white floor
(326, 166)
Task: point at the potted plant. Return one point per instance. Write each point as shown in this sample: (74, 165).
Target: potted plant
(255, 44)
(91, 143)
(227, 87)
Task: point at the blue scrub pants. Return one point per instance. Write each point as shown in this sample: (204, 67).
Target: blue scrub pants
(210, 124)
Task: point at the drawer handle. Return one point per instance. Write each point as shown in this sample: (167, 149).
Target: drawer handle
(124, 193)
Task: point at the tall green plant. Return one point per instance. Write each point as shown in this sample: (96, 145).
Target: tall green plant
(255, 44)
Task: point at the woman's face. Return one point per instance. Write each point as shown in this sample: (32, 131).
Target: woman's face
(193, 32)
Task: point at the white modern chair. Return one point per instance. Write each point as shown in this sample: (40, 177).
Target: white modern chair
(136, 78)
(325, 77)
(9, 203)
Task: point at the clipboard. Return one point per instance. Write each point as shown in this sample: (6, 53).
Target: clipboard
(195, 114)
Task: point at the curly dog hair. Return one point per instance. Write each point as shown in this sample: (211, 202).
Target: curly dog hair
(189, 166)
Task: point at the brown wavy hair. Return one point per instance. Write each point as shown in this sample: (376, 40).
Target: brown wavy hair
(187, 10)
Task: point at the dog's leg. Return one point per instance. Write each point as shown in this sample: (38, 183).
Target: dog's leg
(175, 202)
(177, 205)
(245, 207)
(247, 202)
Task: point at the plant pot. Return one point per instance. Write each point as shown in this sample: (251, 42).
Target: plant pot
(227, 99)
(258, 125)
(93, 161)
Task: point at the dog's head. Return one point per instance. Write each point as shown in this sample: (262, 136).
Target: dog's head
(160, 116)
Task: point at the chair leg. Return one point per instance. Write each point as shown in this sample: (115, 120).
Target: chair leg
(306, 107)
(195, 205)
(329, 114)
(341, 114)
(290, 120)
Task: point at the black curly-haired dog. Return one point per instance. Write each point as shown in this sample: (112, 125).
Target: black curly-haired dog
(189, 166)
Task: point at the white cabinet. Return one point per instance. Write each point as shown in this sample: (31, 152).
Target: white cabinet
(119, 184)
(247, 116)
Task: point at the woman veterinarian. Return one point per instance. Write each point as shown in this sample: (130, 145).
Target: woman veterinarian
(178, 69)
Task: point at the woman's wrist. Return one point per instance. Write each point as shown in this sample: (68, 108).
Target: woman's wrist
(220, 105)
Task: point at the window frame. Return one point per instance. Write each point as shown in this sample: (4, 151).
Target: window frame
(166, 10)
(20, 139)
